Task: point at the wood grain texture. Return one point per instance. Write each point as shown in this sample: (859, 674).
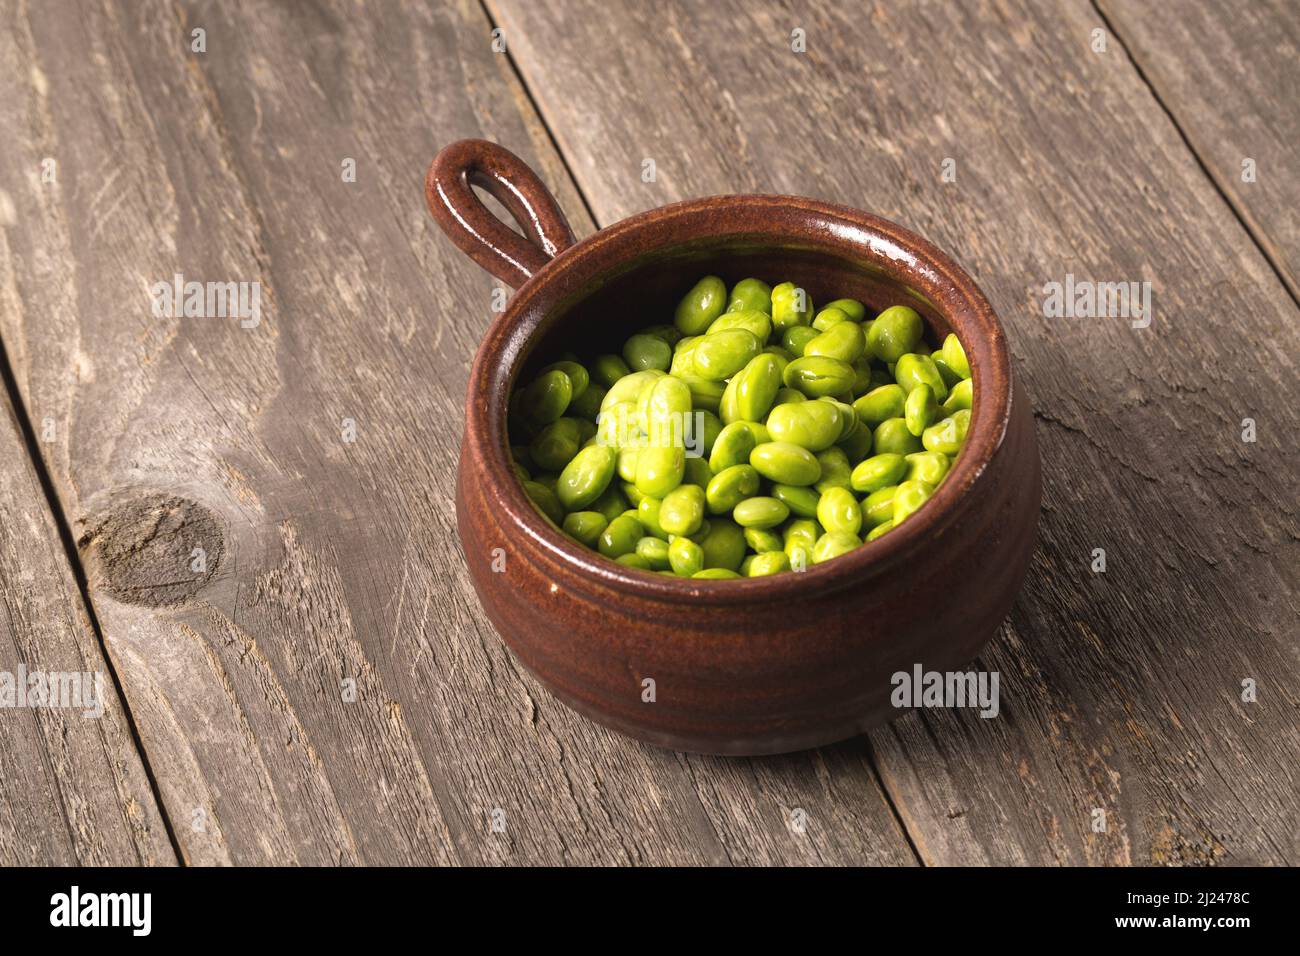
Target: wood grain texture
(72, 788)
(1121, 691)
(1229, 73)
(328, 560)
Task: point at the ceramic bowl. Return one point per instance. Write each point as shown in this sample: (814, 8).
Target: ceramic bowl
(751, 666)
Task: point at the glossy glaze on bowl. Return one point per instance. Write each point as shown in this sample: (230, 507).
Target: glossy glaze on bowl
(760, 665)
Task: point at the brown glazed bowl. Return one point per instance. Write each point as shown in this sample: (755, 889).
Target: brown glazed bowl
(751, 666)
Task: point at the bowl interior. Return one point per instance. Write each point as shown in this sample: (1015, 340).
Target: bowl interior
(646, 291)
(632, 274)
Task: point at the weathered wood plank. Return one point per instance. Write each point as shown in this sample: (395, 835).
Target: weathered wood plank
(1121, 691)
(330, 555)
(72, 788)
(1229, 73)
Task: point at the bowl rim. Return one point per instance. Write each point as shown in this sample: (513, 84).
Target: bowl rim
(831, 229)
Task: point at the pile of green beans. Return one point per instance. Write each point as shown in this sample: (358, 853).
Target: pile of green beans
(750, 437)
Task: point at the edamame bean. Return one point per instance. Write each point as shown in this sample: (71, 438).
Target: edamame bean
(724, 545)
(660, 470)
(685, 556)
(879, 529)
(910, 496)
(894, 333)
(750, 294)
(760, 540)
(682, 511)
(791, 305)
(892, 435)
(960, 396)
(751, 320)
(920, 409)
(647, 513)
(954, 356)
(556, 444)
(811, 425)
(586, 477)
(578, 376)
(620, 536)
(817, 375)
(730, 487)
(767, 563)
(854, 309)
(878, 471)
(608, 369)
(722, 354)
(949, 435)
(750, 394)
(585, 527)
(732, 447)
(796, 338)
(879, 506)
(800, 501)
(546, 398)
(836, 470)
(930, 467)
(647, 352)
(843, 341)
(882, 403)
(761, 512)
(785, 463)
(654, 551)
(833, 544)
(913, 370)
(545, 500)
(839, 511)
(701, 305)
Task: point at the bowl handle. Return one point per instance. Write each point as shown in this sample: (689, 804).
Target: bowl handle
(479, 234)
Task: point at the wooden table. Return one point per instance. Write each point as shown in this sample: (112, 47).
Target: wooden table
(327, 689)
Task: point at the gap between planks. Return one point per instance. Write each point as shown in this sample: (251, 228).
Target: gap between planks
(1242, 214)
(68, 542)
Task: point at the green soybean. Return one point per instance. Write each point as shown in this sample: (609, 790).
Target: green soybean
(892, 435)
(879, 471)
(910, 496)
(760, 512)
(817, 375)
(732, 447)
(647, 352)
(720, 355)
(913, 370)
(833, 544)
(767, 563)
(800, 501)
(791, 305)
(731, 486)
(920, 410)
(750, 294)
(685, 557)
(585, 526)
(660, 470)
(546, 398)
(838, 510)
(620, 536)
(811, 425)
(682, 510)
(894, 333)
(785, 463)
(701, 305)
(843, 341)
(585, 478)
(949, 435)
